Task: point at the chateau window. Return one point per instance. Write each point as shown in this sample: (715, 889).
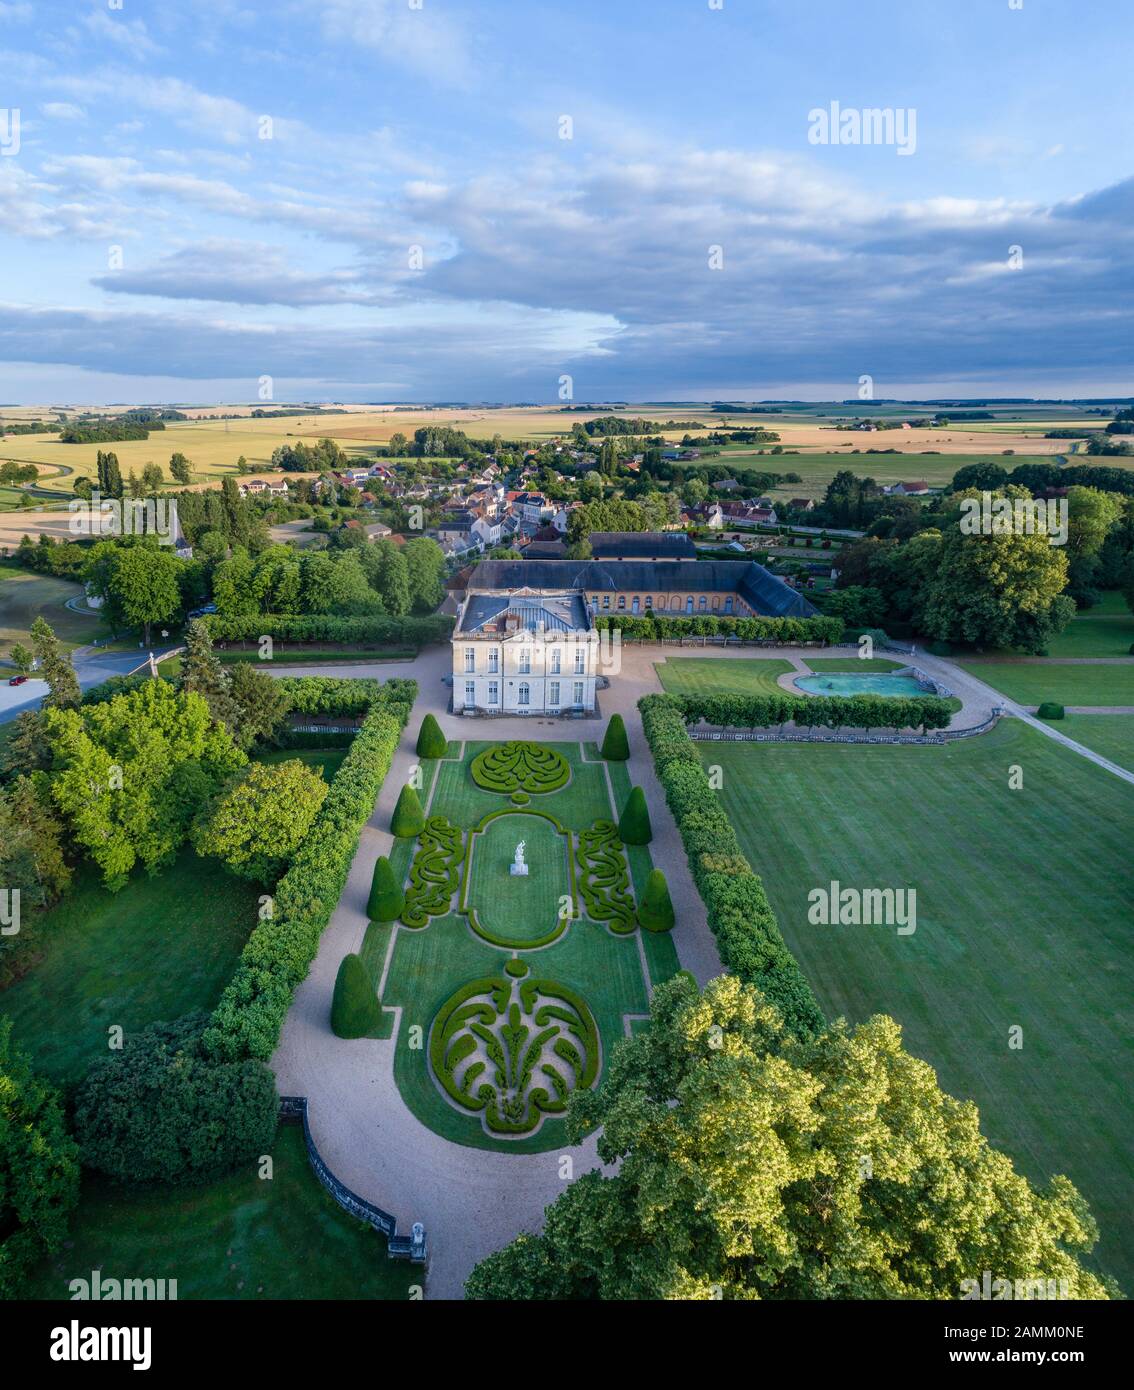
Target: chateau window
(578, 692)
(493, 659)
(525, 695)
(470, 659)
(728, 604)
(649, 600)
(702, 602)
(606, 600)
(525, 661)
(470, 692)
(493, 692)
(622, 601)
(689, 605)
(556, 656)
(553, 693)
(580, 661)
(634, 605)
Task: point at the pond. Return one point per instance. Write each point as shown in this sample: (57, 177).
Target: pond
(876, 683)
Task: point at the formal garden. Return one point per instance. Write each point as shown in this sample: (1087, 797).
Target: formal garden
(518, 926)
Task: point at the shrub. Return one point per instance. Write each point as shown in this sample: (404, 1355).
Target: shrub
(278, 954)
(656, 910)
(1050, 710)
(634, 826)
(431, 741)
(520, 766)
(409, 819)
(162, 1111)
(355, 1011)
(386, 897)
(739, 914)
(616, 745)
(261, 819)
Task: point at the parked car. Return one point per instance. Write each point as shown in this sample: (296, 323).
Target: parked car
(17, 680)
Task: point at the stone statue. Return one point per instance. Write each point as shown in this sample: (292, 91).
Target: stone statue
(519, 868)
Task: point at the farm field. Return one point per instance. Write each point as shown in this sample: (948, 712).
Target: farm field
(1112, 735)
(1004, 936)
(1065, 682)
(427, 965)
(241, 1237)
(160, 948)
(25, 596)
(692, 675)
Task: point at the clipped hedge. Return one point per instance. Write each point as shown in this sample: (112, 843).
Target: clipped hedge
(408, 820)
(339, 695)
(653, 626)
(634, 824)
(604, 878)
(435, 872)
(739, 914)
(431, 741)
(355, 1010)
(818, 711)
(386, 899)
(316, 627)
(1050, 710)
(520, 765)
(277, 956)
(616, 744)
(656, 912)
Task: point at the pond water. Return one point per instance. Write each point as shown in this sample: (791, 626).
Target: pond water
(847, 683)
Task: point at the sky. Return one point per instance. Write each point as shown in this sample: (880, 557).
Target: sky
(594, 200)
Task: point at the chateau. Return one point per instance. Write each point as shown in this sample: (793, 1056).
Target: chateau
(525, 640)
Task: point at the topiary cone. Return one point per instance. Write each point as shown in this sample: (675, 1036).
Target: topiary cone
(386, 897)
(634, 825)
(355, 1010)
(431, 741)
(409, 819)
(616, 745)
(656, 911)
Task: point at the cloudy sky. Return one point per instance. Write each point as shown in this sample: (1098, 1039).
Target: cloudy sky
(375, 200)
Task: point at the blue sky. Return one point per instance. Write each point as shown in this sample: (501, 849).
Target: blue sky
(156, 247)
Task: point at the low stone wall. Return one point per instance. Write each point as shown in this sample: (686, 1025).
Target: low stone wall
(293, 1110)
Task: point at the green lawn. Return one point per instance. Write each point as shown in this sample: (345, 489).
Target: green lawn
(25, 596)
(1112, 735)
(693, 675)
(158, 949)
(430, 963)
(325, 760)
(241, 1237)
(851, 663)
(1107, 635)
(1030, 683)
(1023, 909)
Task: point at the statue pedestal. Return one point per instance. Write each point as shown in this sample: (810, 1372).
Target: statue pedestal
(519, 870)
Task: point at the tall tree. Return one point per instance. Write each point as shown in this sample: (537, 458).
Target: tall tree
(261, 703)
(259, 822)
(55, 668)
(39, 1168)
(235, 511)
(180, 469)
(752, 1163)
(152, 479)
(202, 673)
(143, 586)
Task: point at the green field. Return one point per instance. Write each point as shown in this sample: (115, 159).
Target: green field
(25, 596)
(158, 949)
(429, 964)
(1112, 735)
(1032, 682)
(1106, 635)
(241, 1237)
(695, 675)
(1023, 908)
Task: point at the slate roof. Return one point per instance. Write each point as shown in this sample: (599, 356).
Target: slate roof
(642, 545)
(489, 613)
(767, 594)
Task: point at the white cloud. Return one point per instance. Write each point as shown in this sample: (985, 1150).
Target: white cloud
(423, 40)
(63, 111)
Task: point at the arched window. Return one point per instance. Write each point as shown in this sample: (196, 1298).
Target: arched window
(702, 602)
(525, 695)
(689, 604)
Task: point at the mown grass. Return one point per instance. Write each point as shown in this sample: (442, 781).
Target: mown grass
(1024, 900)
(1106, 635)
(694, 675)
(1031, 683)
(243, 1237)
(1112, 735)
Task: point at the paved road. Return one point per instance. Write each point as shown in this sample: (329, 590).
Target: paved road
(91, 666)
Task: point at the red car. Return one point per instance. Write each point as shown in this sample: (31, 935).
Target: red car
(17, 680)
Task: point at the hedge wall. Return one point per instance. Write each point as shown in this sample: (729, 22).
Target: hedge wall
(650, 626)
(740, 916)
(817, 711)
(315, 627)
(278, 954)
(331, 694)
